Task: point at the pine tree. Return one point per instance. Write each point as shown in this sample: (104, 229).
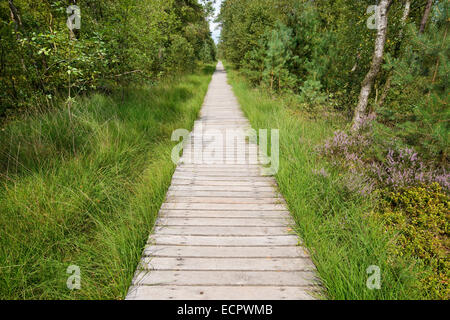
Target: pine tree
(279, 58)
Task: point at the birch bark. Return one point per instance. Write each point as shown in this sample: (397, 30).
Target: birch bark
(377, 59)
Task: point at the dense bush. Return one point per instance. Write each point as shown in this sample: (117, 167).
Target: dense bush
(416, 107)
(413, 203)
(119, 42)
(396, 166)
(419, 217)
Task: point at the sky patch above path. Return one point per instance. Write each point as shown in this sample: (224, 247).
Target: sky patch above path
(214, 26)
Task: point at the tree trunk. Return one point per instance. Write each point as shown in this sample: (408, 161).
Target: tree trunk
(406, 11)
(425, 17)
(386, 88)
(436, 68)
(387, 85)
(73, 33)
(271, 81)
(355, 66)
(15, 15)
(377, 59)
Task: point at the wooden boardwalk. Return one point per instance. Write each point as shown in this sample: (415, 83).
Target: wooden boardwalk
(223, 232)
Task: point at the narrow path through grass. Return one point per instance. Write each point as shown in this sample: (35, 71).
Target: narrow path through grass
(86, 191)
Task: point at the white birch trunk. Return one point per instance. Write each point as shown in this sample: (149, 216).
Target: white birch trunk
(377, 59)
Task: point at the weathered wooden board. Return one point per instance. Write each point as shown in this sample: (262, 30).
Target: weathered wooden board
(220, 293)
(211, 277)
(222, 194)
(222, 199)
(238, 241)
(227, 252)
(222, 230)
(223, 206)
(238, 214)
(226, 264)
(230, 188)
(226, 222)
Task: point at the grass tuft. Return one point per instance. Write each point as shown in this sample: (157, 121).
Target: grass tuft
(85, 190)
(335, 224)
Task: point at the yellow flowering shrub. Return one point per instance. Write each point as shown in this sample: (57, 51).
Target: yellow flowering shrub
(419, 216)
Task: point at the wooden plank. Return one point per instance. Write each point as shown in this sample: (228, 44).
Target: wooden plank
(200, 182)
(223, 213)
(219, 166)
(253, 221)
(230, 252)
(224, 194)
(214, 172)
(222, 230)
(224, 206)
(227, 264)
(219, 277)
(219, 293)
(224, 200)
(256, 241)
(224, 177)
(255, 190)
(210, 161)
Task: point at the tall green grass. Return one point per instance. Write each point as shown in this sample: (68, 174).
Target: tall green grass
(334, 223)
(85, 189)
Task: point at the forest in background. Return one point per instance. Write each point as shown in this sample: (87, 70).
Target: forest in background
(322, 50)
(119, 42)
(383, 75)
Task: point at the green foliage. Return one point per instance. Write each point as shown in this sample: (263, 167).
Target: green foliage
(244, 23)
(120, 42)
(311, 96)
(417, 104)
(278, 60)
(92, 208)
(419, 216)
(208, 52)
(180, 55)
(254, 64)
(321, 50)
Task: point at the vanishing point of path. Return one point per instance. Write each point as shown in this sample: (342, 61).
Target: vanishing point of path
(223, 232)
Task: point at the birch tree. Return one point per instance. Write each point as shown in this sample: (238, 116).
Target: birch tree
(377, 59)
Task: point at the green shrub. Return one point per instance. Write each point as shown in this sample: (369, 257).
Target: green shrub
(312, 97)
(181, 55)
(278, 60)
(120, 42)
(419, 216)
